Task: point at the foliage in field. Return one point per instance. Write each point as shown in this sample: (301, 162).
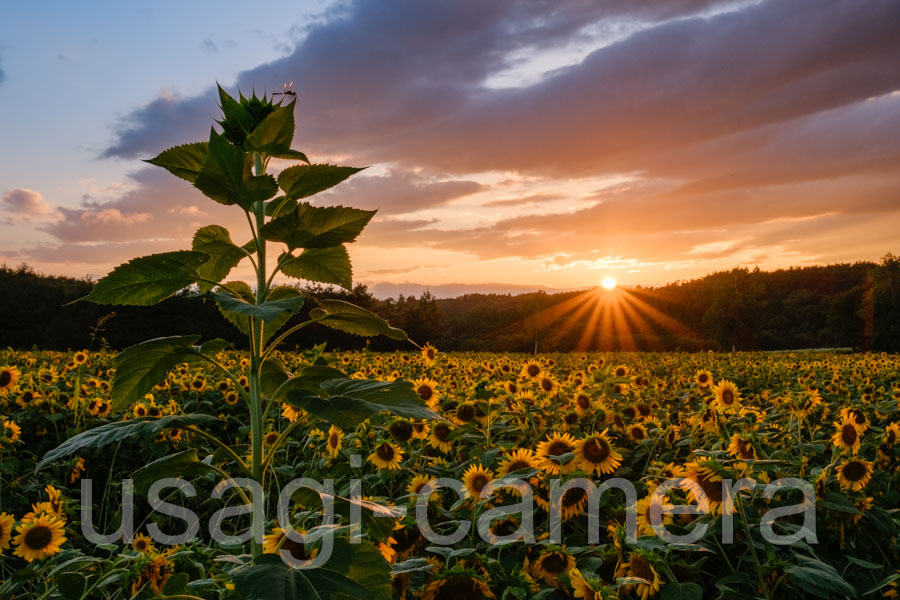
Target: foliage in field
(831, 420)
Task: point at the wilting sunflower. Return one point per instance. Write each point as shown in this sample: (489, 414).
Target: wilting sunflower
(531, 370)
(439, 438)
(704, 486)
(142, 543)
(741, 447)
(589, 589)
(334, 443)
(457, 584)
(8, 378)
(703, 378)
(6, 527)
(520, 459)
(386, 456)
(556, 444)
(551, 564)
(639, 565)
(595, 454)
(77, 469)
(848, 434)
(427, 391)
(854, 474)
(40, 537)
(429, 353)
(475, 479)
(727, 396)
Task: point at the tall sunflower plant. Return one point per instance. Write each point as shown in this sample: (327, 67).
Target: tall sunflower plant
(231, 169)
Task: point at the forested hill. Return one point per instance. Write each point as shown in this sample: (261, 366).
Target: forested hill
(844, 305)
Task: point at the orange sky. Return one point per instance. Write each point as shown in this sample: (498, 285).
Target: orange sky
(510, 144)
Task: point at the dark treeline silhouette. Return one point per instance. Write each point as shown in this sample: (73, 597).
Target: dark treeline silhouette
(843, 305)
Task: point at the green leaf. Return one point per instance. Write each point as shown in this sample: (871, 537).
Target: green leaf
(269, 578)
(227, 176)
(142, 366)
(274, 133)
(364, 564)
(378, 519)
(317, 227)
(289, 154)
(224, 255)
(180, 464)
(681, 591)
(240, 310)
(267, 311)
(272, 375)
(350, 318)
(176, 584)
(71, 585)
(817, 578)
(303, 181)
(149, 279)
(185, 161)
(143, 427)
(325, 265)
(279, 206)
(348, 402)
(237, 122)
(309, 379)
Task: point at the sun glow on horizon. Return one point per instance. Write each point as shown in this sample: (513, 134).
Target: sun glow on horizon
(608, 283)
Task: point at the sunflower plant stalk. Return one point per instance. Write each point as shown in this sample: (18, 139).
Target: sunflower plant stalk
(230, 168)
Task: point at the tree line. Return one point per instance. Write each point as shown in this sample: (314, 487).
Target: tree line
(836, 306)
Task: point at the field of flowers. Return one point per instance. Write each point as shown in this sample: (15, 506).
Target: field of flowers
(832, 420)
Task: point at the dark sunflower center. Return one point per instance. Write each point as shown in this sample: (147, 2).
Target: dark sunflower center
(533, 370)
(703, 378)
(596, 450)
(385, 452)
(425, 392)
(643, 410)
(745, 449)
(546, 384)
(297, 549)
(620, 372)
(854, 471)
(441, 432)
(712, 489)
(458, 586)
(637, 433)
(553, 563)
(849, 434)
(727, 397)
(640, 566)
(5, 378)
(401, 431)
(479, 482)
(38, 537)
(557, 448)
(583, 402)
(465, 412)
(573, 496)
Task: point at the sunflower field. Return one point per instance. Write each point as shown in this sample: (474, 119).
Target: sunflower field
(831, 420)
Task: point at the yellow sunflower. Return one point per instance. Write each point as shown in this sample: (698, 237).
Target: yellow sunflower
(429, 353)
(703, 378)
(848, 434)
(278, 540)
(420, 430)
(741, 447)
(637, 432)
(439, 438)
(8, 377)
(596, 454)
(6, 527)
(727, 396)
(427, 391)
(531, 370)
(335, 442)
(39, 538)
(10, 429)
(854, 474)
(520, 459)
(142, 543)
(704, 486)
(650, 509)
(551, 564)
(639, 566)
(620, 371)
(547, 384)
(386, 456)
(556, 444)
(589, 589)
(289, 412)
(475, 479)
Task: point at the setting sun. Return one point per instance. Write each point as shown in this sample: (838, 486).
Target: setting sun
(608, 283)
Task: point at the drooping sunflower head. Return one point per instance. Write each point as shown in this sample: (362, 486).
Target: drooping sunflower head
(457, 584)
(551, 564)
(6, 528)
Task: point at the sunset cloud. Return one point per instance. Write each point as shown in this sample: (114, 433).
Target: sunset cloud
(562, 139)
(23, 205)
